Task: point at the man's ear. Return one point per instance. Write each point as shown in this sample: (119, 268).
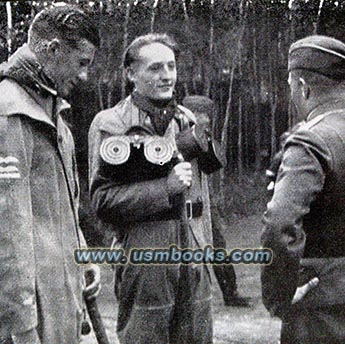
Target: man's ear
(305, 88)
(53, 46)
(130, 73)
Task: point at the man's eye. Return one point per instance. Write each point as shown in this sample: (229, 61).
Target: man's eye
(155, 68)
(172, 66)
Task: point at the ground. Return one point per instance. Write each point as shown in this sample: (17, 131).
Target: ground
(231, 325)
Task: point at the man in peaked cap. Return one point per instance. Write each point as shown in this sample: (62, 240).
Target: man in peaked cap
(203, 108)
(305, 220)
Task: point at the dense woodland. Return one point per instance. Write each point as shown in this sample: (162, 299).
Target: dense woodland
(234, 51)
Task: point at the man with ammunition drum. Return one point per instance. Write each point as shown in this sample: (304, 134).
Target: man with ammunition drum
(137, 178)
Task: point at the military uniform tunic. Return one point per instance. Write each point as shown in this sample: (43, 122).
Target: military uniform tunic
(305, 228)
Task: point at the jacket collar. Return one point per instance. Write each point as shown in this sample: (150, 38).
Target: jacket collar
(329, 107)
(24, 67)
(17, 100)
(26, 90)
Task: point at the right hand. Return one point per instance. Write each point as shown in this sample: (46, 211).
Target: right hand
(180, 178)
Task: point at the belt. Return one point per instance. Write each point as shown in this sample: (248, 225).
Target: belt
(194, 210)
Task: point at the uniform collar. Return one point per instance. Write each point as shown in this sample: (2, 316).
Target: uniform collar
(25, 88)
(24, 67)
(329, 107)
(19, 100)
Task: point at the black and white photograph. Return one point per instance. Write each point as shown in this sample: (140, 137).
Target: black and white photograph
(172, 172)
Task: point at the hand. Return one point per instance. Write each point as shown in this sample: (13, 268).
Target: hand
(93, 281)
(180, 178)
(302, 291)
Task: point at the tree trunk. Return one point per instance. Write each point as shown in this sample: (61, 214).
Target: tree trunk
(240, 142)
(100, 94)
(125, 44)
(185, 12)
(186, 90)
(273, 105)
(224, 140)
(211, 44)
(9, 27)
(254, 91)
(240, 118)
(224, 135)
(292, 18)
(290, 118)
(317, 21)
(293, 23)
(153, 16)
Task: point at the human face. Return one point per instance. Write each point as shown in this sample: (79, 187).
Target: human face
(68, 66)
(154, 74)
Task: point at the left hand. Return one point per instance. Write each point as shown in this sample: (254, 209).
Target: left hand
(93, 281)
(302, 291)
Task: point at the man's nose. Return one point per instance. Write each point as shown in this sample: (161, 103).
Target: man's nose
(166, 73)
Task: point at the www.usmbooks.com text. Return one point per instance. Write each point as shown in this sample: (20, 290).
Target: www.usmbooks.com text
(174, 255)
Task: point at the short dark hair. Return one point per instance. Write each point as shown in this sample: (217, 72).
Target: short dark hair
(313, 78)
(66, 22)
(132, 51)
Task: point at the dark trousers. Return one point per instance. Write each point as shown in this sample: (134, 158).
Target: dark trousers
(225, 274)
(153, 309)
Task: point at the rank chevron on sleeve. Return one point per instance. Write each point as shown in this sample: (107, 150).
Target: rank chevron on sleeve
(8, 168)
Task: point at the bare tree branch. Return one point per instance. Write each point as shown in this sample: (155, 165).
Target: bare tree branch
(317, 21)
(153, 15)
(125, 43)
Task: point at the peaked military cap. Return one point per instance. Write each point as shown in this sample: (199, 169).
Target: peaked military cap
(320, 54)
(199, 104)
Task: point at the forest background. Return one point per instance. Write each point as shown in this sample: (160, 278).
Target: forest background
(233, 51)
